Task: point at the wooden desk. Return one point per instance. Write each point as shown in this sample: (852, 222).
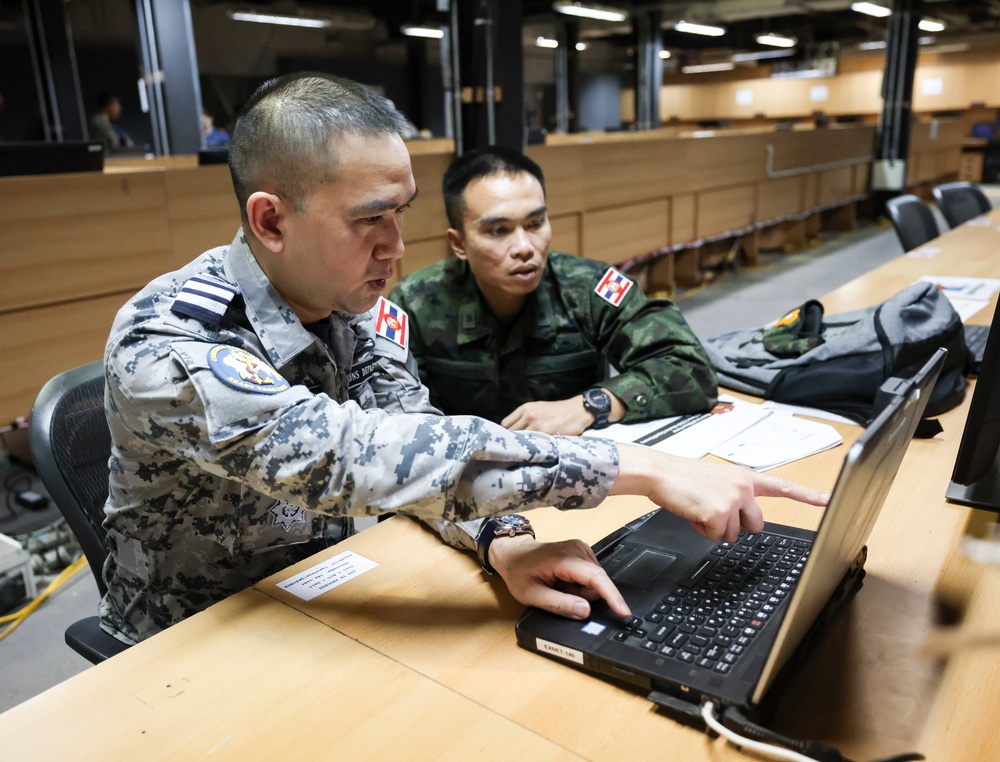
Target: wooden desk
(253, 679)
(417, 656)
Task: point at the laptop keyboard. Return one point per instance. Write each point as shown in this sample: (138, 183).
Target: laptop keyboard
(975, 338)
(713, 615)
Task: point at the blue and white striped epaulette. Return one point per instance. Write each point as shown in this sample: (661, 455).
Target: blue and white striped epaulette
(205, 298)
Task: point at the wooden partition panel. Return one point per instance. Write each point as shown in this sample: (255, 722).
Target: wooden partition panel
(76, 236)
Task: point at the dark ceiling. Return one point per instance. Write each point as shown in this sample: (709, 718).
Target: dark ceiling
(815, 23)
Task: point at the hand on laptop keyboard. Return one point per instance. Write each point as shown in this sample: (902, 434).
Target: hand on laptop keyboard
(561, 577)
(719, 499)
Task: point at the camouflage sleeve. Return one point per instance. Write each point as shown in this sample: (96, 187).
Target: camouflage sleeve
(663, 368)
(338, 459)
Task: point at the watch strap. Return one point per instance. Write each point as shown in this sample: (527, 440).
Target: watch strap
(491, 529)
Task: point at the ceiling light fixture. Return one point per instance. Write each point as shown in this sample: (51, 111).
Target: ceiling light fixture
(776, 40)
(871, 9)
(546, 42)
(704, 29)
(588, 11)
(664, 54)
(277, 18)
(430, 32)
(699, 68)
(581, 46)
(931, 25)
(761, 55)
(871, 45)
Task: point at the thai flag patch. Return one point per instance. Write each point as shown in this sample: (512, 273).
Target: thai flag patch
(390, 322)
(613, 287)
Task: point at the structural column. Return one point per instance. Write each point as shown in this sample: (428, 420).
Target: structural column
(649, 68)
(170, 74)
(53, 63)
(893, 136)
(486, 41)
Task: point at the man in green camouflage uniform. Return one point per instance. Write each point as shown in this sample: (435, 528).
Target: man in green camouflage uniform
(262, 395)
(511, 332)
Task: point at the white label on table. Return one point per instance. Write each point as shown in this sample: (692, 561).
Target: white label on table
(568, 654)
(326, 575)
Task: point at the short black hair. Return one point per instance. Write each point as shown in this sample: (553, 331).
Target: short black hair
(481, 162)
(285, 132)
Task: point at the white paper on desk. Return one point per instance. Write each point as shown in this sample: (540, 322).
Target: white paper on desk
(326, 575)
(812, 412)
(964, 288)
(966, 308)
(778, 439)
(688, 436)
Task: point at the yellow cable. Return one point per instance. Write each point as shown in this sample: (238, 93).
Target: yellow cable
(19, 616)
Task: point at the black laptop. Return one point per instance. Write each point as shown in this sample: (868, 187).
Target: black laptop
(718, 621)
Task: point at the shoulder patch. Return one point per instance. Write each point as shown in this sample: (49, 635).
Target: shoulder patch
(391, 322)
(613, 287)
(204, 298)
(244, 370)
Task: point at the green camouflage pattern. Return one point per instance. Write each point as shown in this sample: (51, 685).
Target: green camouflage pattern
(213, 487)
(561, 344)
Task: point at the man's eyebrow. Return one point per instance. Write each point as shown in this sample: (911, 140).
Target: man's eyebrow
(377, 206)
(495, 220)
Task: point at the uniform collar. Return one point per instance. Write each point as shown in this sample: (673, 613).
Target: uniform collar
(277, 326)
(476, 321)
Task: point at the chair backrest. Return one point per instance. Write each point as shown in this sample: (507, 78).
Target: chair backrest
(71, 444)
(960, 202)
(913, 220)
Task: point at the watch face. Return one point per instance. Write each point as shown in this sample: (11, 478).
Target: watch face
(513, 521)
(597, 399)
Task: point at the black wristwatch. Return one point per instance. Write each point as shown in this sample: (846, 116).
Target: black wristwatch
(511, 525)
(598, 402)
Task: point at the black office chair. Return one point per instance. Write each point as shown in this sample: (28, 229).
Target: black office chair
(960, 202)
(70, 444)
(913, 220)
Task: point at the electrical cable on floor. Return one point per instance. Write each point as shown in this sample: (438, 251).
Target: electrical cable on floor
(708, 714)
(14, 620)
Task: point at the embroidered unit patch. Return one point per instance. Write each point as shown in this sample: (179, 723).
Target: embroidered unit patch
(244, 370)
(613, 287)
(286, 515)
(390, 322)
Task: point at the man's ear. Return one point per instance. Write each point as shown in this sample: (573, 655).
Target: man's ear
(457, 242)
(266, 214)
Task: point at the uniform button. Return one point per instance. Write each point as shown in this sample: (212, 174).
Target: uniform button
(642, 400)
(572, 502)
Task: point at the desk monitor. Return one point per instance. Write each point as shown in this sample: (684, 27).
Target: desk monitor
(976, 478)
(36, 157)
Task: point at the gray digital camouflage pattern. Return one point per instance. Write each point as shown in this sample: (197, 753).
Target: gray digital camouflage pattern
(559, 346)
(241, 444)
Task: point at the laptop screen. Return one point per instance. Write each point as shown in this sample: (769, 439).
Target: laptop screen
(858, 495)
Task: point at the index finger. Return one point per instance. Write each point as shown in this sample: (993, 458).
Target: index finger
(771, 486)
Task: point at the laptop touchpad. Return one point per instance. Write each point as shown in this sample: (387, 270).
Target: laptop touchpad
(646, 567)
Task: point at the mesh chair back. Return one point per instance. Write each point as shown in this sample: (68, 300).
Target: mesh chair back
(960, 202)
(913, 220)
(71, 444)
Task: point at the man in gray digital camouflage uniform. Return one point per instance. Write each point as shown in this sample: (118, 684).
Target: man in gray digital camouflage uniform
(511, 332)
(262, 395)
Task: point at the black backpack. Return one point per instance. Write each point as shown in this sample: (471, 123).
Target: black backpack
(838, 363)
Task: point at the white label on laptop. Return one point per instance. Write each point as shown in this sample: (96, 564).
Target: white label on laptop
(327, 575)
(568, 654)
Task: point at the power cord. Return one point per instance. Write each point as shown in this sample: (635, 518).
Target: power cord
(14, 620)
(708, 714)
(817, 751)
